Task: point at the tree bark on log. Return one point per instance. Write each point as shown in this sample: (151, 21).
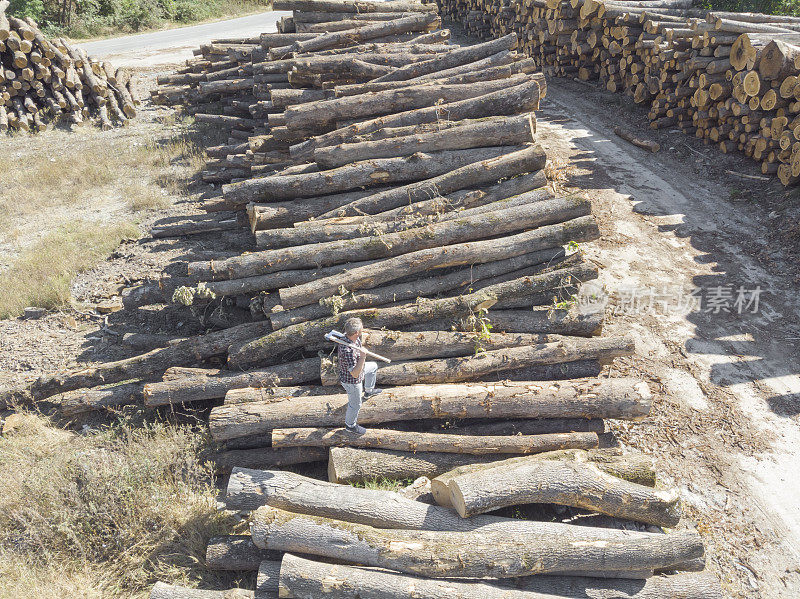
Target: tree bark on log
(436, 235)
(345, 6)
(581, 485)
(236, 552)
(73, 403)
(267, 581)
(527, 160)
(508, 131)
(622, 398)
(420, 166)
(213, 387)
(276, 280)
(633, 468)
(778, 60)
(546, 321)
(403, 291)
(421, 22)
(546, 237)
(348, 465)
(280, 214)
(162, 590)
(306, 579)
(484, 363)
(248, 394)
(267, 457)
(372, 104)
(439, 442)
(152, 363)
(458, 57)
(450, 554)
(514, 100)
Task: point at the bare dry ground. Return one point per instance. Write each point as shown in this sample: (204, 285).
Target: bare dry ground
(725, 425)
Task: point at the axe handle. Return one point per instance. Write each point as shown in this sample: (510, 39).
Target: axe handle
(366, 351)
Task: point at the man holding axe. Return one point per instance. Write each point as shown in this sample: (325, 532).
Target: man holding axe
(356, 375)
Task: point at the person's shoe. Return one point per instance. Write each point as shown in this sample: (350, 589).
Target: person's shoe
(368, 394)
(355, 429)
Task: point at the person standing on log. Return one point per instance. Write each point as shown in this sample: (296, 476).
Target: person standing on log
(356, 375)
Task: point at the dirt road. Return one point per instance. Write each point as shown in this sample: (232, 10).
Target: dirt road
(174, 45)
(676, 221)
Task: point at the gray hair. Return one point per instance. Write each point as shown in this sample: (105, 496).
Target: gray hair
(352, 326)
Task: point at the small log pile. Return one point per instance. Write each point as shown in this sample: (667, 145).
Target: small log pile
(730, 79)
(44, 80)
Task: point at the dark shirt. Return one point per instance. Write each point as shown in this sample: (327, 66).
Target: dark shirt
(348, 357)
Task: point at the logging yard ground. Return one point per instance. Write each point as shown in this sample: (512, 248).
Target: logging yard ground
(113, 505)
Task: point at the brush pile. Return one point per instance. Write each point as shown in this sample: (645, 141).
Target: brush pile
(396, 177)
(730, 79)
(45, 80)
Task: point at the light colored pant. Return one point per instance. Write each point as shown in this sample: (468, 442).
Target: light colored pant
(355, 393)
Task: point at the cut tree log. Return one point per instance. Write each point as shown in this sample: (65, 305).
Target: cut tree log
(520, 98)
(79, 401)
(575, 484)
(504, 131)
(546, 320)
(383, 271)
(421, 22)
(236, 552)
(267, 581)
(248, 394)
(439, 442)
(645, 144)
(302, 578)
(420, 166)
(435, 235)
(350, 6)
(267, 457)
(151, 364)
(473, 554)
(485, 363)
(404, 291)
(162, 590)
(371, 104)
(212, 387)
(624, 398)
(458, 57)
(633, 468)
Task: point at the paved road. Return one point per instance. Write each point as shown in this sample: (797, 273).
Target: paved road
(174, 45)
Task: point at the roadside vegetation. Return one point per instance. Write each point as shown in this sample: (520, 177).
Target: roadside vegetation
(770, 7)
(96, 18)
(104, 513)
(69, 199)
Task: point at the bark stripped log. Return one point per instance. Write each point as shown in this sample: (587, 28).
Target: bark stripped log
(464, 554)
(604, 398)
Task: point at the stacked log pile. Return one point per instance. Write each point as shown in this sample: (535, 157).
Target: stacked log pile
(406, 187)
(44, 80)
(730, 79)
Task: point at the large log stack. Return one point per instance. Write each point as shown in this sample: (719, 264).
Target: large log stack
(44, 80)
(731, 79)
(388, 174)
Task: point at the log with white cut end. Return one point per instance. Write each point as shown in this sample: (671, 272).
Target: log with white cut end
(302, 578)
(636, 468)
(577, 484)
(200, 388)
(436, 235)
(474, 554)
(162, 590)
(441, 442)
(507, 131)
(513, 100)
(622, 398)
(380, 171)
(236, 552)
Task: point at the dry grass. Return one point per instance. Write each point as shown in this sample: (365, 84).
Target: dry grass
(104, 514)
(42, 274)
